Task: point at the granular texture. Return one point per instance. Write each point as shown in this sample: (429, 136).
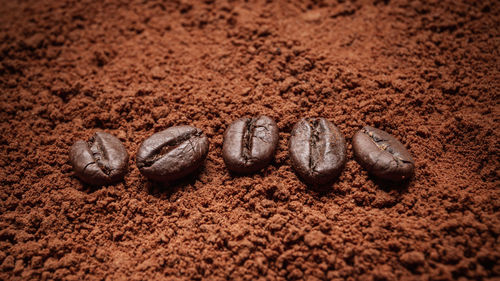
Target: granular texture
(425, 72)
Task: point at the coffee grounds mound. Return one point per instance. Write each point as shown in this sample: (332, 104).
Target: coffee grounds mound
(427, 73)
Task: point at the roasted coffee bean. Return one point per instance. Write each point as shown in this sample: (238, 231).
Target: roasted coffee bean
(101, 160)
(172, 154)
(249, 144)
(317, 150)
(382, 154)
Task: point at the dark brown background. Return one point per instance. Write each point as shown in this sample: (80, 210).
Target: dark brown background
(426, 72)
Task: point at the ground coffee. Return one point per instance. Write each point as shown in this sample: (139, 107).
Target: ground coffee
(424, 71)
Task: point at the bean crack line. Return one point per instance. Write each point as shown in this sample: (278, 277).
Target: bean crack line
(99, 155)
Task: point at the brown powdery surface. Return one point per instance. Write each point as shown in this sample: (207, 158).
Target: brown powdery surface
(428, 73)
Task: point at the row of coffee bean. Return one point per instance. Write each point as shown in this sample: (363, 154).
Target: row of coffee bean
(317, 151)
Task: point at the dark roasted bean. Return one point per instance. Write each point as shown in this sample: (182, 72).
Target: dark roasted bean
(382, 154)
(101, 160)
(172, 154)
(249, 144)
(317, 150)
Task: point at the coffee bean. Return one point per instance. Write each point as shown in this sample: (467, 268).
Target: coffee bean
(382, 154)
(101, 160)
(249, 144)
(317, 150)
(172, 154)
